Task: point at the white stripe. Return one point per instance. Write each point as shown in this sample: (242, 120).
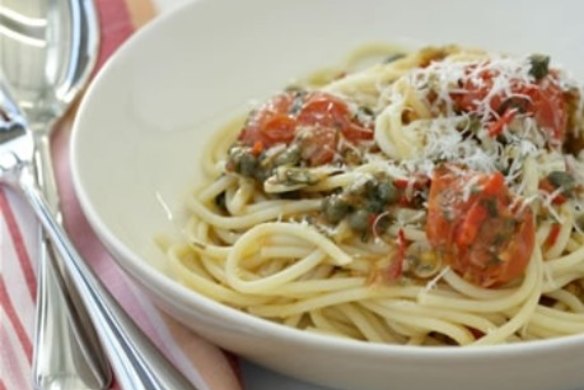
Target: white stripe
(15, 282)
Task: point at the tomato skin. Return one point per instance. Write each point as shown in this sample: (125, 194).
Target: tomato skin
(553, 235)
(322, 109)
(484, 238)
(321, 119)
(319, 146)
(546, 186)
(271, 123)
(395, 270)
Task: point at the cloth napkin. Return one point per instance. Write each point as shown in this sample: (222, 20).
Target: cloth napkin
(207, 366)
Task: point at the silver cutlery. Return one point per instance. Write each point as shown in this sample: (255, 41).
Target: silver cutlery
(137, 363)
(47, 86)
(50, 51)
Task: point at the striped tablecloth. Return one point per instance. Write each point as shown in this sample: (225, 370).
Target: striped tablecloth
(205, 364)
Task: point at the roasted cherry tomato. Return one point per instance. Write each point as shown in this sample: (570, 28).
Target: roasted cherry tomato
(478, 229)
(543, 99)
(316, 118)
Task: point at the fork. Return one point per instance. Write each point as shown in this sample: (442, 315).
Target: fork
(135, 360)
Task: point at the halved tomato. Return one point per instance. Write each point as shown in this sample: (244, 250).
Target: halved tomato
(481, 233)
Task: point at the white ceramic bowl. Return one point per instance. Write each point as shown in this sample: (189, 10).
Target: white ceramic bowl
(145, 121)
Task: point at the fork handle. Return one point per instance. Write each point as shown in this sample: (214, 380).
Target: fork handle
(136, 361)
(67, 353)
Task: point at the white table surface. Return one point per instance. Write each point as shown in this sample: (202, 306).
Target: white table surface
(255, 377)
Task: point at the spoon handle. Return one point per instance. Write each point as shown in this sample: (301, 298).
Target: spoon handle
(67, 352)
(136, 361)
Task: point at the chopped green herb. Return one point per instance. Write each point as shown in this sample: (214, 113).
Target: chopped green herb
(292, 176)
(290, 156)
(474, 124)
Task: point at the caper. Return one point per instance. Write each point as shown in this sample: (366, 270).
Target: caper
(247, 164)
(262, 174)
(370, 187)
(386, 192)
(335, 208)
(375, 205)
(359, 220)
(241, 161)
(539, 66)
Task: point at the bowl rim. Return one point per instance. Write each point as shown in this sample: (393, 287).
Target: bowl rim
(138, 268)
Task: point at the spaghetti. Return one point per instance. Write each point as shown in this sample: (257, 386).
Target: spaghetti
(432, 198)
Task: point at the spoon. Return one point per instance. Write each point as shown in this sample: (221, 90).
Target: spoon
(49, 58)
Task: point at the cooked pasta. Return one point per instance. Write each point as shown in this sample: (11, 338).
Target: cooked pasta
(431, 198)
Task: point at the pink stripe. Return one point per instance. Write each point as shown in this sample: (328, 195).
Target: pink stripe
(119, 27)
(6, 303)
(19, 244)
(10, 362)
